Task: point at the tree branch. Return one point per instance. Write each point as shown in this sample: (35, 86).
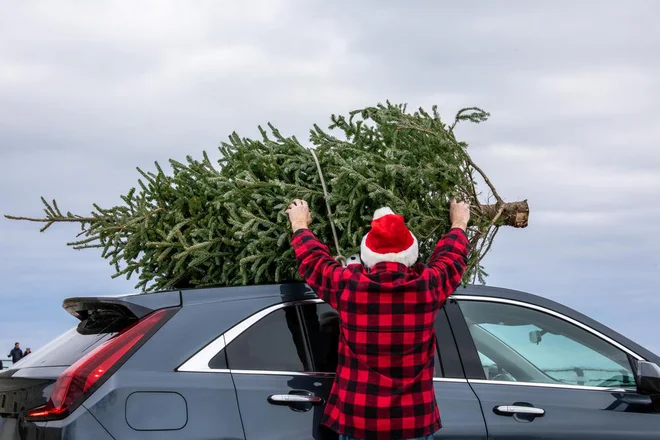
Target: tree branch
(490, 242)
(56, 219)
(486, 179)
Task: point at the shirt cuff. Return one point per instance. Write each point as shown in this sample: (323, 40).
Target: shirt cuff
(459, 230)
(300, 231)
(297, 236)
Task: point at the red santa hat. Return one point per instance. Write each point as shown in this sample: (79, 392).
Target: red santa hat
(389, 240)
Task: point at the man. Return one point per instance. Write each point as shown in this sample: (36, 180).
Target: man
(16, 354)
(387, 306)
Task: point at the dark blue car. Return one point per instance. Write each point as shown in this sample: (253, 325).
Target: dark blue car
(257, 363)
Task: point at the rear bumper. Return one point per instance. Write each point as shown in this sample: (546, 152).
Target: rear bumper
(78, 426)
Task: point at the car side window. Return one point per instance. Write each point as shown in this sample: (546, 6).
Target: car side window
(278, 342)
(520, 344)
(322, 326)
(492, 370)
(274, 343)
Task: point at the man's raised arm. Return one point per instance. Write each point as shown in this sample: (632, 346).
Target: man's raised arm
(449, 259)
(315, 263)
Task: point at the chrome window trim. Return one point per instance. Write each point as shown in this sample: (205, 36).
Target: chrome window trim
(548, 385)
(199, 362)
(449, 379)
(553, 313)
(308, 373)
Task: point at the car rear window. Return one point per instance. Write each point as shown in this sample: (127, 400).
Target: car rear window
(63, 350)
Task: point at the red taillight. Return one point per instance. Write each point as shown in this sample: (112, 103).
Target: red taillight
(78, 381)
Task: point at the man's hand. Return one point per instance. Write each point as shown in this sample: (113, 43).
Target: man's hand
(459, 214)
(299, 215)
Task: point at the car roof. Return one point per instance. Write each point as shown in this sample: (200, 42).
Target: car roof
(293, 291)
(298, 290)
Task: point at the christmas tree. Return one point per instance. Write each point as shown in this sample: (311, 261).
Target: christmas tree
(223, 223)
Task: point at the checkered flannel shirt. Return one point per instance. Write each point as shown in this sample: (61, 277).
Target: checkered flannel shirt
(383, 388)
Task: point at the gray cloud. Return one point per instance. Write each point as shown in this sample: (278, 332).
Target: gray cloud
(89, 91)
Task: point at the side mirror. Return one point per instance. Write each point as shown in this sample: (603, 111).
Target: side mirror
(648, 378)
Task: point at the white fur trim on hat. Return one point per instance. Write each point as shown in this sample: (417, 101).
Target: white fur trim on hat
(406, 257)
(382, 212)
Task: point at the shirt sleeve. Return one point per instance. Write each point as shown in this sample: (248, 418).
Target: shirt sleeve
(449, 262)
(318, 268)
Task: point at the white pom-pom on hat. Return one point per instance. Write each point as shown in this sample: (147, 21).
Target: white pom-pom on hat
(381, 212)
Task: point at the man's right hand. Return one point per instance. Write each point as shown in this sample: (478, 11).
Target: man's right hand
(299, 215)
(459, 214)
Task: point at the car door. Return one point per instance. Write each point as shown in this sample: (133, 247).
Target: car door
(460, 411)
(269, 361)
(283, 360)
(459, 408)
(543, 375)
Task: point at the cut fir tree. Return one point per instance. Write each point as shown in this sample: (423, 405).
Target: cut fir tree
(223, 223)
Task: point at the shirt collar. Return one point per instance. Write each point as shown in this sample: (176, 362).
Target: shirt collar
(389, 266)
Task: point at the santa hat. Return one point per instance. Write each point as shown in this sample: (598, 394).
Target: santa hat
(389, 240)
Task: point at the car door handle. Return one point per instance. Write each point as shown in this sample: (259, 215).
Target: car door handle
(287, 399)
(520, 410)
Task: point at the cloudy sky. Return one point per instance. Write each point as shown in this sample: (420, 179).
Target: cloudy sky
(90, 90)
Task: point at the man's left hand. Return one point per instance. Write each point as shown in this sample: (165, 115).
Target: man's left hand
(299, 215)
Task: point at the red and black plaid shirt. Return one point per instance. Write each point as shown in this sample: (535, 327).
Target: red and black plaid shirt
(384, 383)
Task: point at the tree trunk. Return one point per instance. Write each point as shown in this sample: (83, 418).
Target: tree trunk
(514, 214)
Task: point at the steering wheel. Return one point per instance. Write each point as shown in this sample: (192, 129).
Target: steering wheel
(504, 377)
